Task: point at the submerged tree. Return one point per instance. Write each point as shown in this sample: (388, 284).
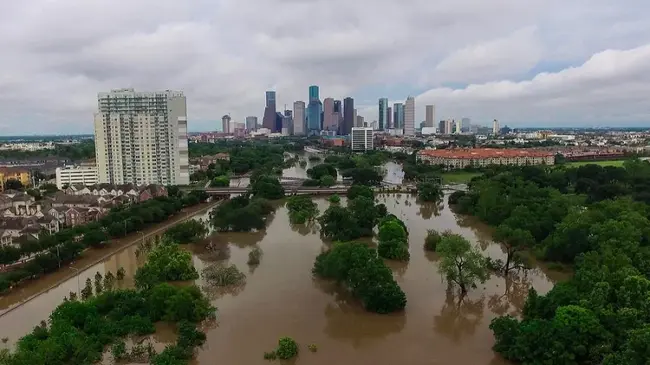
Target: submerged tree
(460, 263)
(514, 240)
(87, 291)
(98, 283)
(109, 281)
(121, 273)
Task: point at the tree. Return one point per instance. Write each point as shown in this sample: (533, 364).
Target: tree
(95, 238)
(165, 262)
(365, 212)
(514, 240)
(267, 187)
(432, 240)
(334, 199)
(13, 184)
(220, 181)
(319, 171)
(287, 348)
(301, 209)
(460, 263)
(240, 214)
(364, 176)
(338, 223)
(190, 231)
(429, 191)
(360, 190)
(327, 180)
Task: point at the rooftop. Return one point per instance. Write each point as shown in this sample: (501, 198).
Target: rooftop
(485, 153)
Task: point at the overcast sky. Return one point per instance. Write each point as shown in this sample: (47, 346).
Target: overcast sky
(527, 63)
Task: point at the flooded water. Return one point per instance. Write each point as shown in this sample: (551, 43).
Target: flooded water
(281, 298)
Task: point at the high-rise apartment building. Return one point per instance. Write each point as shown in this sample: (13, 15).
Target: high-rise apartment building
(495, 127)
(141, 137)
(251, 123)
(269, 119)
(448, 126)
(409, 116)
(459, 126)
(348, 116)
(299, 118)
(330, 117)
(398, 116)
(361, 139)
(314, 112)
(383, 114)
(430, 116)
(225, 124)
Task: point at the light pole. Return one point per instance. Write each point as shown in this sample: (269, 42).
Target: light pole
(78, 286)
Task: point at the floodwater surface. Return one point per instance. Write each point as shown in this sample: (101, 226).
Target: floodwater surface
(282, 298)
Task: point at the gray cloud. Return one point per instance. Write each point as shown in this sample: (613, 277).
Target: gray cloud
(56, 56)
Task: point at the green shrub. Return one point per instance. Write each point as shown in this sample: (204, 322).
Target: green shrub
(287, 348)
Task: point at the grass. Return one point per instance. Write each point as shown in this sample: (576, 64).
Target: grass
(458, 177)
(615, 163)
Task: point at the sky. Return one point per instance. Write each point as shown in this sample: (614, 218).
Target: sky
(527, 63)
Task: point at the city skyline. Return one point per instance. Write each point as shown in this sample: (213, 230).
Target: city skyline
(518, 62)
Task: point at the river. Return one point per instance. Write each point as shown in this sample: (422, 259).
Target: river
(281, 298)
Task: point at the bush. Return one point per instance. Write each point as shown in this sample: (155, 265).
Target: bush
(219, 275)
(301, 209)
(189, 231)
(432, 240)
(393, 250)
(166, 262)
(255, 256)
(287, 348)
(240, 214)
(334, 199)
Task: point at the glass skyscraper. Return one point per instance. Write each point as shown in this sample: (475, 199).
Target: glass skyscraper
(398, 116)
(383, 113)
(314, 112)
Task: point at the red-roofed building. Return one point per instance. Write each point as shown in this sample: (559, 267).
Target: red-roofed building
(479, 157)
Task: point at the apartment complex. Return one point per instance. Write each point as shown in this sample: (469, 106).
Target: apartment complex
(76, 175)
(361, 139)
(10, 173)
(141, 137)
(479, 157)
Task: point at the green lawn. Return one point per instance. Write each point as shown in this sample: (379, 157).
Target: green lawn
(616, 163)
(458, 177)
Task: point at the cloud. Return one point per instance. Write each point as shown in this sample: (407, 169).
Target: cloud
(57, 54)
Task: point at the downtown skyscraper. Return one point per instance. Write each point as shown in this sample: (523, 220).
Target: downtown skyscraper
(349, 117)
(383, 114)
(330, 117)
(314, 111)
(270, 113)
(409, 116)
(299, 122)
(430, 116)
(398, 116)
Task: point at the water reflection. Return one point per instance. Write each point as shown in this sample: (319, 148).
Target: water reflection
(511, 300)
(429, 209)
(306, 229)
(459, 316)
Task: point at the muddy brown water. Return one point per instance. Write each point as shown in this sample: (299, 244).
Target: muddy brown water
(281, 298)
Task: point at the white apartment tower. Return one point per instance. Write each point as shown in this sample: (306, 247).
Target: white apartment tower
(430, 116)
(495, 127)
(409, 116)
(141, 137)
(361, 139)
(299, 118)
(459, 126)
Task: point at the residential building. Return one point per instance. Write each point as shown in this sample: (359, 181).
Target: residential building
(268, 121)
(299, 118)
(14, 173)
(314, 112)
(449, 124)
(361, 139)
(330, 117)
(225, 124)
(383, 114)
(72, 175)
(495, 127)
(481, 157)
(141, 137)
(348, 116)
(398, 116)
(251, 123)
(430, 116)
(389, 118)
(409, 116)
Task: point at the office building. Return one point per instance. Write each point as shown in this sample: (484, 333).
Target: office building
(287, 123)
(279, 118)
(481, 157)
(467, 124)
(389, 118)
(269, 119)
(398, 116)
(348, 116)
(495, 127)
(430, 116)
(314, 112)
(141, 137)
(73, 175)
(383, 114)
(330, 116)
(361, 139)
(441, 127)
(299, 128)
(225, 124)
(360, 121)
(409, 116)
(458, 126)
(251, 123)
(449, 126)
(14, 173)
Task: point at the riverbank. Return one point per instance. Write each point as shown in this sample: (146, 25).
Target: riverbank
(26, 292)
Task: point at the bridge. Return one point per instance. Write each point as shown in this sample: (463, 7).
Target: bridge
(342, 190)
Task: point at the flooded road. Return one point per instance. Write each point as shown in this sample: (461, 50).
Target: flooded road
(281, 298)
